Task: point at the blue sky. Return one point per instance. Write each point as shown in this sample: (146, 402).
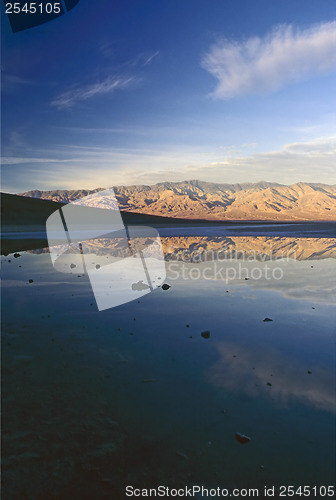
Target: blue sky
(139, 92)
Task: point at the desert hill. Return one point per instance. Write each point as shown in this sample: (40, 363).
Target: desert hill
(204, 200)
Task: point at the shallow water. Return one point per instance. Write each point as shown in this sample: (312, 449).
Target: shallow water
(95, 401)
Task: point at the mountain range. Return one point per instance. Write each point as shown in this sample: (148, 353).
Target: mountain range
(264, 201)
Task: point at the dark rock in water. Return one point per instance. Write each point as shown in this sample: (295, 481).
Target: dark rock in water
(227, 291)
(313, 307)
(165, 286)
(72, 266)
(188, 326)
(97, 266)
(16, 255)
(206, 334)
(9, 260)
(269, 383)
(309, 372)
(242, 439)
(31, 281)
(267, 319)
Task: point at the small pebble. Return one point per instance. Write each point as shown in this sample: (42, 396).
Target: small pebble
(242, 439)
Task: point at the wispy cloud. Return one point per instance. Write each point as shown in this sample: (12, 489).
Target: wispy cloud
(148, 58)
(111, 84)
(16, 160)
(264, 65)
(70, 167)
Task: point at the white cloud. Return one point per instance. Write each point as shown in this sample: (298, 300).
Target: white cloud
(70, 97)
(264, 65)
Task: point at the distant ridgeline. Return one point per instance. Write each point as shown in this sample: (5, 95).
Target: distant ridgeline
(204, 200)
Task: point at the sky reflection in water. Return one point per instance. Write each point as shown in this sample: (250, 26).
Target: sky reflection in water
(274, 381)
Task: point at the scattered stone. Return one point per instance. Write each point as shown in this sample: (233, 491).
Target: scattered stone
(262, 467)
(16, 255)
(269, 384)
(188, 326)
(165, 286)
(9, 260)
(267, 319)
(97, 266)
(227, 291)
(31, 281)
(72, 266)
(313, 307)
(206, 334)
(241, 438)
(312, 267)
(247, 279)
(309, 372)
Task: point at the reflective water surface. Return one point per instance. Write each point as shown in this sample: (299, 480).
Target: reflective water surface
(136, 395)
